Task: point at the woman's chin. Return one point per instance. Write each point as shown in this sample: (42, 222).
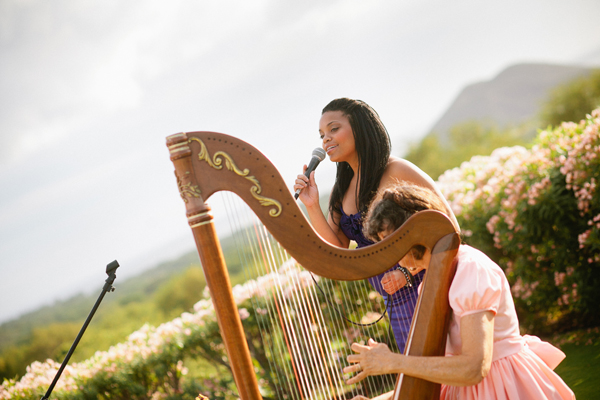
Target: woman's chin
(333, 157)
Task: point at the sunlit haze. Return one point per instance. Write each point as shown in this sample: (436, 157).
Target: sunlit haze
(89, 91)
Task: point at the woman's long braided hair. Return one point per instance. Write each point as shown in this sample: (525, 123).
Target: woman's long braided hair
(373, 146)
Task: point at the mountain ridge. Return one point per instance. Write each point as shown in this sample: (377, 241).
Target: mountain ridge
(512, 97)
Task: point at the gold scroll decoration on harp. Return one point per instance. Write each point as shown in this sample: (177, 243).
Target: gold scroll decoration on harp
(195, 168)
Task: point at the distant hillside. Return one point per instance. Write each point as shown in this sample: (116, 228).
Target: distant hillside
(138, 288)
(77, 308)
(511, 98)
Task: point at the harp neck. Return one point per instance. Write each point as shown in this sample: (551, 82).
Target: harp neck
(208, 162)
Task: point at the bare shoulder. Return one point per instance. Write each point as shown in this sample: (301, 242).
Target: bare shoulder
(399, 169)
(399, 165)
(402, 170)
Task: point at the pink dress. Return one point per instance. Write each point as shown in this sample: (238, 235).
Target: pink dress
(522, 366)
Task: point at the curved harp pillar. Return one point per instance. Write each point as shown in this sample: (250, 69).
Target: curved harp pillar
(429, 327)
(207, 162)
(215, 270)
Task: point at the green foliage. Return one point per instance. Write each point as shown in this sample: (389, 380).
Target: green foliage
(538, 214)
(120, 313)
(18, 331)
(581, 367)
(77, 308)
(51, 342)
(427, 155)
(113, 325)
(181, 292)
(572, 101)
(580, 370)
(434, 155)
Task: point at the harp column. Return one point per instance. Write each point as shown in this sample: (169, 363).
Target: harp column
(215, 270)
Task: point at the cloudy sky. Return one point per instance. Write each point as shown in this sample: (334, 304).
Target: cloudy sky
(89, 91)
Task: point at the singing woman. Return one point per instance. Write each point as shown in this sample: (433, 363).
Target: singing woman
(486, 356)
(354, 137)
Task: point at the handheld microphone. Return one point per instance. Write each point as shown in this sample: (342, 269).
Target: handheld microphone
(318, 155)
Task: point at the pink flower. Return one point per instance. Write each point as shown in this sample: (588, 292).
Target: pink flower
(582, 238)
(559, 278)
(244, 314)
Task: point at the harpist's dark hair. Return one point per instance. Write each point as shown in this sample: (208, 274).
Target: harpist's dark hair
(397, 204)
(373, 147)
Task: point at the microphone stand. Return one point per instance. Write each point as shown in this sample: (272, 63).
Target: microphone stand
(110, 271)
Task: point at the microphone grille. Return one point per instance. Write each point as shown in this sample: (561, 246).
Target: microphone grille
(319, 153)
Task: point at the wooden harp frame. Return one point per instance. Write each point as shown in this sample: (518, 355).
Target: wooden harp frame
(207, 162)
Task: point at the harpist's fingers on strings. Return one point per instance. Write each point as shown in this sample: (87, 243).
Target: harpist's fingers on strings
(354, 358)
(358, 348)
(352, 368)
(357, 378)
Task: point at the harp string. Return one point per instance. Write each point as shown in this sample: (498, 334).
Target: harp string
(400, 308)
(352, 333)
(341, 337)
(252, 270)
(310, 326)
(289, 333)
(305, 339)
(326, 354)
(295, 343)
(301, 331)
(294, 325)
(306, 332)
(346, 301)
(404, 317)
(362, 332)
(337, 366)
(282, 352)
(328, 337)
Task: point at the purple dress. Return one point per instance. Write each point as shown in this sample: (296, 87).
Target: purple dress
(400, 305)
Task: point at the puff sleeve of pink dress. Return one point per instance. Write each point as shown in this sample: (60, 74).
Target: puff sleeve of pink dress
(522, 366)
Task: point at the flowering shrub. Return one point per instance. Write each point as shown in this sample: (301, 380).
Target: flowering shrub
(537, 212)
(147, 366)
(151, 363)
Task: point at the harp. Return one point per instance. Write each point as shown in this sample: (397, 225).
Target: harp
(208, 162)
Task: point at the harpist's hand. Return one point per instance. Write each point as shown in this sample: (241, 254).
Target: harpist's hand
(372, 359)
(393, 281)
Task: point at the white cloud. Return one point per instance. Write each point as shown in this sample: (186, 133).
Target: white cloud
(66, 63)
